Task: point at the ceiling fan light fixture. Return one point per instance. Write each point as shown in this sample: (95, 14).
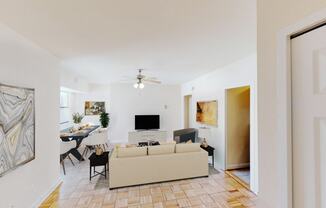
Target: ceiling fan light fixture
(140, 79)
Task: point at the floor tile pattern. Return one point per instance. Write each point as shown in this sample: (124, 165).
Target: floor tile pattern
(241, 174)
(217, 190)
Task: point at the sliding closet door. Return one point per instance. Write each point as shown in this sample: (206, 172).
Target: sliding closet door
(309, 119)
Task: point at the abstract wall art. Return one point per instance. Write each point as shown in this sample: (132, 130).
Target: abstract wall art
(207, 112)
(94, 108)
(17, 127)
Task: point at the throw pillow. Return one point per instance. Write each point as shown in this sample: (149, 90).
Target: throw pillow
(154, 143)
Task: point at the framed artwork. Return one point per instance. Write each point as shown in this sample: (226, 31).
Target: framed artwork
(207, 112)
(94, 108)
(17, 127)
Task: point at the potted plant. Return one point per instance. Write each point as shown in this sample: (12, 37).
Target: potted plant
(77, 118)
(104, 119)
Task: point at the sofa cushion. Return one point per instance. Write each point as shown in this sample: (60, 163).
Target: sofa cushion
(192, 147)
(131, 152)
(161, 149)
(130, 145)
(168, 143)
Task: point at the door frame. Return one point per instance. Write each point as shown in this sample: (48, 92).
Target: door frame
(284, 101)
(254, 177)
(226, 126)
(226, 123)
(189, 110)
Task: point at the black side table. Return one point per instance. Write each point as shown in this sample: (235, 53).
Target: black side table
(210, 151)
(98, 160)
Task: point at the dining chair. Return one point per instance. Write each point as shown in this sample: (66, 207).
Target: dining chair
(99, 138)
(99, 130)
(65, 147)
(105, 132)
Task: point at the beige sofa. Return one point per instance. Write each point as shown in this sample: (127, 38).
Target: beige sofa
(143, 165)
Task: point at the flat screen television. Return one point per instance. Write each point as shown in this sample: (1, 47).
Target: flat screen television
(147, 122)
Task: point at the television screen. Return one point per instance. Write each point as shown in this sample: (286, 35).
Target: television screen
(147, 122)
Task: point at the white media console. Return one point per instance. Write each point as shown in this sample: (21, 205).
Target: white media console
(134, 137)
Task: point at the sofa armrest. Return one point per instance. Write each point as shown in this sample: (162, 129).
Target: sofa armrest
(113, 154)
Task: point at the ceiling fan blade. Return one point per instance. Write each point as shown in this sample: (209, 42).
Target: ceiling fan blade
(151, 78)
(140, 78)
(152, 81)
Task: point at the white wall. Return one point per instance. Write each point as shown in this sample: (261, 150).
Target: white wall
(95, 93)
(72, 81)
(24, 64)
(77, 98)
(126, 102)
(272, 17)
(123, 102)
(212, 86)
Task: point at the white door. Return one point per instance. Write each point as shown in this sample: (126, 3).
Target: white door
(309, 119)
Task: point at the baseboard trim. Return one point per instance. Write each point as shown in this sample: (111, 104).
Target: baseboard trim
(46, 194)
(238, 166)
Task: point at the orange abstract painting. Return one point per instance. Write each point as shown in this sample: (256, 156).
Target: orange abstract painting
(207, 112)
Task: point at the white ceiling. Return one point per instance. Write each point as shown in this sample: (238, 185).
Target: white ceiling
(104, 40)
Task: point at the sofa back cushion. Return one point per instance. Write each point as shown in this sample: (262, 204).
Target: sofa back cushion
(167, 143)
(192, 147)
(131, 152)
(161, 149)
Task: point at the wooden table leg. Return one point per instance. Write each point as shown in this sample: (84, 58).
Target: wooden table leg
(105, 170)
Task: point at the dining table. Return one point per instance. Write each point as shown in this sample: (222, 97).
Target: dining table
(78, 135)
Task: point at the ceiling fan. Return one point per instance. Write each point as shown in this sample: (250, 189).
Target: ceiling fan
(141, 80)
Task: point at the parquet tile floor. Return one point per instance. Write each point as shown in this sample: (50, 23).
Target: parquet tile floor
(218, 190)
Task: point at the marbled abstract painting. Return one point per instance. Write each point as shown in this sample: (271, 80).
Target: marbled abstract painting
(17, 127)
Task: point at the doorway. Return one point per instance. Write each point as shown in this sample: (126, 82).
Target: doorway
(238, 134)
(187, 111)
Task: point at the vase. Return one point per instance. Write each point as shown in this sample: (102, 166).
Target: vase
(204, 143)
(76, 126)
(98, 150)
